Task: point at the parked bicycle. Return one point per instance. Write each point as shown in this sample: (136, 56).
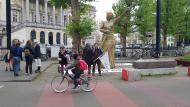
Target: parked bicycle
(61, 82)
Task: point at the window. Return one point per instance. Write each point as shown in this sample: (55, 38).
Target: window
(50, 38)
(33, 35)
(0, 42)
(50, 19)
(65, 39)
(65, 20)
(15, 16)
(42, 37)
(56, 20)
(43, 19)
(33, 17)
(58, 38)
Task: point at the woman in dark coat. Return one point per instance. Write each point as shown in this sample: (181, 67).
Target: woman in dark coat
(88, 56)
(37, 56)
(29, 52)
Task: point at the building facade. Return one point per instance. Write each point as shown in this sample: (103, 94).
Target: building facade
(35, 19)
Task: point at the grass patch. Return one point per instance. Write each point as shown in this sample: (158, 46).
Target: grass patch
(186, 57)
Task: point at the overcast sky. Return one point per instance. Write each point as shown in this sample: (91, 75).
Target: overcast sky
(103, 6)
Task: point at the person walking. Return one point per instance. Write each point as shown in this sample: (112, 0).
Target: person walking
(28, 51)
(97, 51)
(37, 56)
(88, 56)
(63, 61)
(16, 51)
(8, 60)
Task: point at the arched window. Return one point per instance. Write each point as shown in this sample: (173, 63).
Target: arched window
(58, 38)
(42, 37)
(33, 35)
(50, 38)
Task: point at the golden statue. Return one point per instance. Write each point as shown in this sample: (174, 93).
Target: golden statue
(108, 40)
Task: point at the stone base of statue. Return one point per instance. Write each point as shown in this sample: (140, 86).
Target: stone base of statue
(149, 67)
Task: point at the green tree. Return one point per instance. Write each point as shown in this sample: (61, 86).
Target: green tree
(86, 26)
(123, 24)
(145, 17)
(77, 7)
(173, 19)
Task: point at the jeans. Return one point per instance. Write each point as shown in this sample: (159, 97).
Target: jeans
(29, 61)
(16, 64)
(77, 73)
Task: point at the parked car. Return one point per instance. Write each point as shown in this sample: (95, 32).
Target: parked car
(118, 51)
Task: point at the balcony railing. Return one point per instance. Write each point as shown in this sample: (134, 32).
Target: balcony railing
(17, 26)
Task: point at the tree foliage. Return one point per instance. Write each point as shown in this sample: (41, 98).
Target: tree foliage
(145, 16)
(123, 24)
(78, 8)
(86, 26)
(175, 19)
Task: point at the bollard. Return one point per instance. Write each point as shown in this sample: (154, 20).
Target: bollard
(125, 74)
(188, 72)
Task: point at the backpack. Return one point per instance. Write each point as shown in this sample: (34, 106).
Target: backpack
(27, 52)
(83, 65)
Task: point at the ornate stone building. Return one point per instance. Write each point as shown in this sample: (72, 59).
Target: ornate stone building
(35, 19)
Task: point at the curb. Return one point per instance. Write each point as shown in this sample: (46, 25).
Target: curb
(32, 78)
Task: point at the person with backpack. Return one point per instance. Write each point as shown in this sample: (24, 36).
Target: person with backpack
(16, 51)
(78, 67)
(8, 60)
(28, 52)
(97, 52)
(88, 56)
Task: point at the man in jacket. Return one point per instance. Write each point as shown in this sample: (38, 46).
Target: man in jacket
(97, 52)
(16, 51)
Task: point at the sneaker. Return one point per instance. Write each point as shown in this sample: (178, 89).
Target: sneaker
(74, 88)
(16, 75)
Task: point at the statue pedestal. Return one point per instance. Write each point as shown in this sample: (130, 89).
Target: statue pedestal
(154, 63)
(148, 67)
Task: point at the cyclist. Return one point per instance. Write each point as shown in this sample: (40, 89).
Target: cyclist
(75, 69)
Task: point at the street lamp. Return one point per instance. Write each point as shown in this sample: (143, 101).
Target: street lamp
(158, 11)
(8, 23)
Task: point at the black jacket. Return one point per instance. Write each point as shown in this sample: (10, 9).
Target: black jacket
(63, 57)
(88, 55)
(37, 52)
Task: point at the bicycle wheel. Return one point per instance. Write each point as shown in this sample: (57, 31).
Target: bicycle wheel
(59, 84)
(89, 83)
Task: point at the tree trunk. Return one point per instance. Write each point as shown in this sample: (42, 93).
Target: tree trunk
(165, 39)
(124, 41)
(75, 11)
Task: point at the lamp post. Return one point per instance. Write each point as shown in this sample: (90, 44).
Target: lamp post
(158, 17)
(8, 23)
